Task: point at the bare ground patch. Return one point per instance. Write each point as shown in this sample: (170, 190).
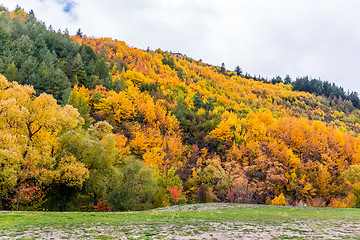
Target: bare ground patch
(208, 230)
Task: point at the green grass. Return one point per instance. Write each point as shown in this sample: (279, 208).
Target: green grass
(289, 222)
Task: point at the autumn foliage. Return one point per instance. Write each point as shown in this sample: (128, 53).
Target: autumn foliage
(102, 206)
(161, 128)
(174, 193)
(261, 133)
(279, 200)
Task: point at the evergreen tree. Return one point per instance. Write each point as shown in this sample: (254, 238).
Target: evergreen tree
(198, 101)
(88, 57)
(238, 70)
(275, 80)
(11, 72)
(4, 34)
(79, 33)
(287, 79)
(79, 70)
(101, 69)
(222, 69)
(66, 32)
(27, 68)
(2, 8)
(52, 81)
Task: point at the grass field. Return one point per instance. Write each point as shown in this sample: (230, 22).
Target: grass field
(198, 221)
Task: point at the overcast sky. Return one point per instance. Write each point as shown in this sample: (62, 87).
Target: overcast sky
(319, 38)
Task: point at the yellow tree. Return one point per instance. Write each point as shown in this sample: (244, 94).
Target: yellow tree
(80, 99)
(116, 107)
(228, 128)
(30, 127)
(352, 178)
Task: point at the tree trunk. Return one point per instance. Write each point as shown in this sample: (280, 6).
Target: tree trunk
(18, 201)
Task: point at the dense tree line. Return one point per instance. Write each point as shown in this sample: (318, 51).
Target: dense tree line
(31, 53)
(311, 85)
(325, 88)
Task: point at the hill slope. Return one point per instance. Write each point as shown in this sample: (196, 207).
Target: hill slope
(255, 138)
(216, 135)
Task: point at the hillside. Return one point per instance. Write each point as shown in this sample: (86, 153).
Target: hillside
(149, 123)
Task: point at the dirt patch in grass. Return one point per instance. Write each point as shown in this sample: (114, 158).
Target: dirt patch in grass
(209, 230)
(207, 206)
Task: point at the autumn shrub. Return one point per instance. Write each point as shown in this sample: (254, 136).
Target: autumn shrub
(161, 199)
(356, 190)
(102, 206)
(316, 202)
(352, 177)
(168, 181)
(135, 189)
(243, 190)
(337, 203)
(279, 200)
(205, 194)
(80, 202)
(174, 193)
(32, 199)
(230, 195)
(299, 203)
(202, 194)
(350, 200)
(182, 200)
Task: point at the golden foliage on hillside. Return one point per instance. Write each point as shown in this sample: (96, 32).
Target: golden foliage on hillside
(281, 141)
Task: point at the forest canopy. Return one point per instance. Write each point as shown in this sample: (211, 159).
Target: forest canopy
(93, 124)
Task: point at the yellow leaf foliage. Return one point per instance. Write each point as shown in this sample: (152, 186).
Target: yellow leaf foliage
(229, 126)
(117, 106)
(283, 141)
(30, 127)
(279, 200)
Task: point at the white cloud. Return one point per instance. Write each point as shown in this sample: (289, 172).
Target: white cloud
(318, 38)
(300, 37)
